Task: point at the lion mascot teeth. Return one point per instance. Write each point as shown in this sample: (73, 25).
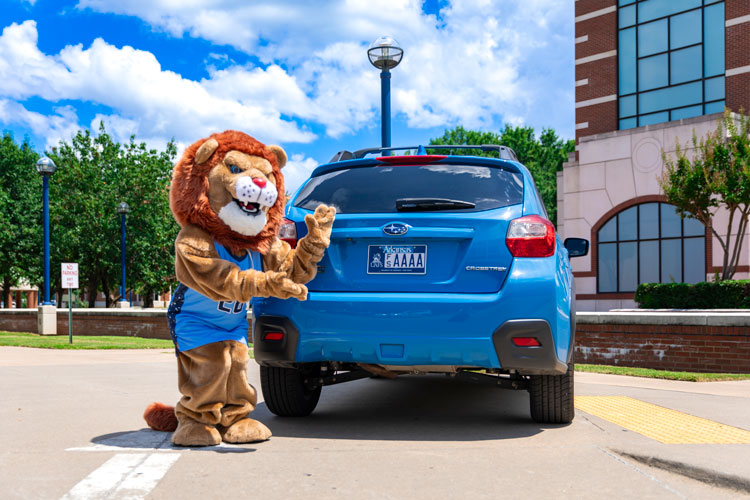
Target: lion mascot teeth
(228, 196)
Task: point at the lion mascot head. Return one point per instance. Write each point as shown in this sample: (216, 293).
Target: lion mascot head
(231, 186)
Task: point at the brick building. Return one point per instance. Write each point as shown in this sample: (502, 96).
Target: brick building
(649, 73)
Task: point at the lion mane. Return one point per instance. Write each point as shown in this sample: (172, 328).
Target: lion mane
(189, 198)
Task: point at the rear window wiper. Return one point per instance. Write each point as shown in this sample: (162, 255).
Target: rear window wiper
(428, 204)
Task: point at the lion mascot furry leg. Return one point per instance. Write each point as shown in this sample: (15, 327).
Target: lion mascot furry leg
(227, 194)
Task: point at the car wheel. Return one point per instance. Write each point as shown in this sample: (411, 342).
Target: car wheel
(285, 392)
(551, 398)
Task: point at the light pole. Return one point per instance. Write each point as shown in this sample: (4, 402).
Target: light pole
(123, 209)
(385, 54)
(46, 168)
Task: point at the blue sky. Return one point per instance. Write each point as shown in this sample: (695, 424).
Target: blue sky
(293, 73)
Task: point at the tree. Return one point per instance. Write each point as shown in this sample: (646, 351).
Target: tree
(543, 156)
(20, 215)
(150, 251)
(95, 174)
(715, 176)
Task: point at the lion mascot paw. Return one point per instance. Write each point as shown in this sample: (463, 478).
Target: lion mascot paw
(227, 194)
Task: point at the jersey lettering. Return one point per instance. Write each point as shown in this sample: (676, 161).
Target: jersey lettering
(230, 307)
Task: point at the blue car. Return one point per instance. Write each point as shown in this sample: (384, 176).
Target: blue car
(437, 264)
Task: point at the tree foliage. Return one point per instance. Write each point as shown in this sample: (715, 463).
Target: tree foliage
(543, 156)
(95, 174)
(714, 176)
(20, 215)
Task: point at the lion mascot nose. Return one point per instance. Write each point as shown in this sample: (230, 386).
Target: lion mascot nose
(261, 183)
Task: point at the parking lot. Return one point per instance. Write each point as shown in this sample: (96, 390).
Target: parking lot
(72, 428)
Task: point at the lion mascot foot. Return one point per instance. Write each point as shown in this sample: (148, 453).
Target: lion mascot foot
(246, 430)
(191, 433)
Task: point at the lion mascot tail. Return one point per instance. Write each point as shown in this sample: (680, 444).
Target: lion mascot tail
(160, 417)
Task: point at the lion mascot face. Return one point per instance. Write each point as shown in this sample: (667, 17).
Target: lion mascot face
(231, 186)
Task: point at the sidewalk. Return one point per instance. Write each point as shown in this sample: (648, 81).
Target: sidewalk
(30, 356)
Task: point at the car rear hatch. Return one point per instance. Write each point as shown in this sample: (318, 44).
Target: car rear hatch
(433, 227)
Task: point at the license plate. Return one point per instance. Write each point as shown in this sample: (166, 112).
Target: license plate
(397, 259)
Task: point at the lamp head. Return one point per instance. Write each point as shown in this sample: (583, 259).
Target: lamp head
(384, 53)
(123, 208)
(45, 166)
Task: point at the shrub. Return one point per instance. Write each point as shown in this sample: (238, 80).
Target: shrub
(729, 294)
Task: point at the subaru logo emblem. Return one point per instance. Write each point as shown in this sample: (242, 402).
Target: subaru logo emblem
(396, 229)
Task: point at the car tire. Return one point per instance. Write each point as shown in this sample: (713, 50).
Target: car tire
(551, 398)
(285, 393)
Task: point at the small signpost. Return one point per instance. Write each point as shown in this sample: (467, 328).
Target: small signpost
(70, 281)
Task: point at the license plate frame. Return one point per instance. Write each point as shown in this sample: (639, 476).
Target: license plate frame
(382, 259)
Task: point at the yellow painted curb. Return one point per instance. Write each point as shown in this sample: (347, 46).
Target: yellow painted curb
(659, 423)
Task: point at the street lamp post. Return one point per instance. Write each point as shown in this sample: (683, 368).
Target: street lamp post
(46, 322)
(123, 209)
(385, 54)
(46, 168)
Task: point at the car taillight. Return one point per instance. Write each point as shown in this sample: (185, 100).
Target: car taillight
(288, 232)
(526, 342)
(531, 236)
(275, 336)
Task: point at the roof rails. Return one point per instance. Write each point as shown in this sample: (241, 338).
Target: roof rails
(504, 152)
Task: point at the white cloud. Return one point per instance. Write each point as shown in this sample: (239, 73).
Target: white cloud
(296, 171)
(132, 82)
(61, 125)
(478, 62)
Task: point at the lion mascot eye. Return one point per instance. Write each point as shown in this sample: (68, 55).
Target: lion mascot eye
(235, 169)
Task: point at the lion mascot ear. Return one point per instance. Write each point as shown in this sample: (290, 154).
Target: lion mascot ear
(280, 154)
(206, 150)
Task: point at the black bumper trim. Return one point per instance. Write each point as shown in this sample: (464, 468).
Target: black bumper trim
(274, 352)
(540, 360)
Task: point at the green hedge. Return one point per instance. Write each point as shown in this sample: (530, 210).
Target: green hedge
(730, 294)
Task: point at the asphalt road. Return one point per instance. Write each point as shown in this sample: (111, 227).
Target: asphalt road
(71, 427)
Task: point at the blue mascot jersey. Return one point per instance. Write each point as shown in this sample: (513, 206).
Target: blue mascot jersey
(195, 320)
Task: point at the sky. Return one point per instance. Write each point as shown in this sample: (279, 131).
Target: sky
(293, 73)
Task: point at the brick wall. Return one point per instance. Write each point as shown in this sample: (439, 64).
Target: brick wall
(601, 33)
(708, 349)
(737, 56)
(150, 326)
(736, 8)
(154, 327)
(18, 321)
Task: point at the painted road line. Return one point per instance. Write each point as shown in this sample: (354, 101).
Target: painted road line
(659, 423)
(129, 476)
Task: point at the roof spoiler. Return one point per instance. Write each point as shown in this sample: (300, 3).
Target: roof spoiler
(504, 152)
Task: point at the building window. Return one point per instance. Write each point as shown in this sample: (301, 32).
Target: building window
(671, 60)
(649, 243)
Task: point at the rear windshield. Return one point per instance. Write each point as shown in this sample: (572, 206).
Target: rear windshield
(377, 189)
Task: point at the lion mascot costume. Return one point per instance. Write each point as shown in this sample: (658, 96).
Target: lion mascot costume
(227, 194)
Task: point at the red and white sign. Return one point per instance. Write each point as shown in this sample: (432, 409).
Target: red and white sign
(69, 275)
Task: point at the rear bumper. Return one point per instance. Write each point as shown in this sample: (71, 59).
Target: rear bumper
(428, 329)
(497, 351)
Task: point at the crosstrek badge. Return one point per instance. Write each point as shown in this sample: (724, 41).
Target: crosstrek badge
(397, 259)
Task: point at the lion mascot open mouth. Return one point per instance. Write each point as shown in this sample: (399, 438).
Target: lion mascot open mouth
(227, 194)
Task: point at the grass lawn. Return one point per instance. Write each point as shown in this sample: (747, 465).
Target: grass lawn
(80, 342)
(649, 373)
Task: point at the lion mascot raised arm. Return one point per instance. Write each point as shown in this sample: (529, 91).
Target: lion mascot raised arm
(227, 194)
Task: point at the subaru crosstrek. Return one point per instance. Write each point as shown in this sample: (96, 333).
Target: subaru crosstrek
(437, 264)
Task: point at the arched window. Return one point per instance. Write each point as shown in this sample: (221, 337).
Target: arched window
(649, 243)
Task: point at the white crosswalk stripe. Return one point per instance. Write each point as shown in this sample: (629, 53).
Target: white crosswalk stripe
(126, 476)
